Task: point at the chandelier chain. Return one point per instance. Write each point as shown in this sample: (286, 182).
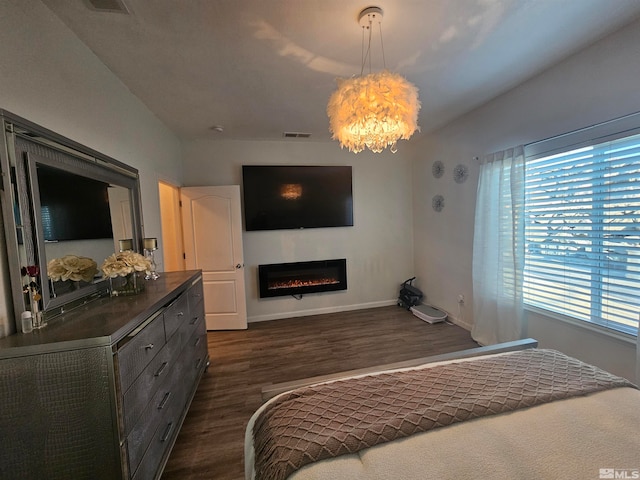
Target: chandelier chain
(366, 55)
(384, 61)
(363, 58)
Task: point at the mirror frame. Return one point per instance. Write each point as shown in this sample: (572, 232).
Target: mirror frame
(19, 180)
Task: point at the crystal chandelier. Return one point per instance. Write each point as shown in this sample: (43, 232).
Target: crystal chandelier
(374, 110)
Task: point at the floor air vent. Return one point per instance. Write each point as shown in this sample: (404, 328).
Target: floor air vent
(296, 135)
(117, 6)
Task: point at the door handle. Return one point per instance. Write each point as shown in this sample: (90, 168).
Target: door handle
(238, 266)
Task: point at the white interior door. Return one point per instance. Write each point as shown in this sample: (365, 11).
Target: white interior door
(212, 226)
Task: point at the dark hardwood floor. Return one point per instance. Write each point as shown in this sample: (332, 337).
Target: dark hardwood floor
(210, 444)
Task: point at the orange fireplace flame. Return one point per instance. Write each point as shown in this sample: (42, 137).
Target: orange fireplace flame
(275, 285)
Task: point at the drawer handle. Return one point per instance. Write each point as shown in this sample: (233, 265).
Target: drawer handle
(179, 314)
(193, 320)
(164, 401)
(197, 341)
(197, 295)
(161, 369)
(167, 431)
(148, 347)
(198, 363)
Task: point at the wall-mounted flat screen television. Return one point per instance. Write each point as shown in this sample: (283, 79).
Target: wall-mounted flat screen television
(291, 197)
(78, 213)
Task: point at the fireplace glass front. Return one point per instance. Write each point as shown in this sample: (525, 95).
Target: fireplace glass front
(299, 278)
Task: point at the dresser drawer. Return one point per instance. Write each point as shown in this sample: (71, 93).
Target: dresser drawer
(142, 345)
(159, 412)
(194, 356)
(136, 398)
(194, 322)
(176, 314)
(165, 431)
(196, 295)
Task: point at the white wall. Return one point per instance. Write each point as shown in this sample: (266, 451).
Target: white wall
(595, 85)
(378, 248)
(49, 77)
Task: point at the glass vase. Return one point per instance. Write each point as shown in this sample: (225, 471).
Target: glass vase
(130, 284)
(36, 315)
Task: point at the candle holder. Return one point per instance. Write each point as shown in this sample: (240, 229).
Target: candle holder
(125, 244)
(150, 245)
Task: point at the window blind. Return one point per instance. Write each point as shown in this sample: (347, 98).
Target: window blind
(582, 233)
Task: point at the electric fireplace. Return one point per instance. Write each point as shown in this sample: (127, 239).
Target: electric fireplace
(280, 279)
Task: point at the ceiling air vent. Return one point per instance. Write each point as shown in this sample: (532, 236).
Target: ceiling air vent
(296, 135)
(116, 6)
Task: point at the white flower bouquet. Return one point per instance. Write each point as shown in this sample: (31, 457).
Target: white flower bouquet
(124, 263)
(72, 267)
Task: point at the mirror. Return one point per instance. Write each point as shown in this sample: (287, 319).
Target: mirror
(65, 208)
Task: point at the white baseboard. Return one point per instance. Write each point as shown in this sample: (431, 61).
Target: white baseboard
(455, 320)
(460, 323)
(319, 311)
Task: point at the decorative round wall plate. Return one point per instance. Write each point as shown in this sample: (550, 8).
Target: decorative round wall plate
(460, 173)
(437, 203)
(437, 169)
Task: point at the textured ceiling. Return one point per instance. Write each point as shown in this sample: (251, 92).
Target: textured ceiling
(262, 67)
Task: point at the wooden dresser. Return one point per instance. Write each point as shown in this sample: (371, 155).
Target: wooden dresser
(101, 392)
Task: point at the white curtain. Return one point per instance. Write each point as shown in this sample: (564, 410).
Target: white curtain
(498, 249)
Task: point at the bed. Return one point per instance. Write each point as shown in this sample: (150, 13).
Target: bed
(531, 413)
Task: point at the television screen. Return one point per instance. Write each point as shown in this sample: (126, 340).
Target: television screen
(286, 197)
(78, 213)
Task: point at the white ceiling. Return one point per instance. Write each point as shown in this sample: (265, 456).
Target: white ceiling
(263, 67)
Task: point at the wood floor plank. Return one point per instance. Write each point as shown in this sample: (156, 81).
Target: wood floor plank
(210, 444)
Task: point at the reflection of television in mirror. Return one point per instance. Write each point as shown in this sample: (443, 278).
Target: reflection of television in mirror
(287, 197)
(73, 207)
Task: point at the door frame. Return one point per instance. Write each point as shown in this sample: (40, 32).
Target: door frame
(171, 225)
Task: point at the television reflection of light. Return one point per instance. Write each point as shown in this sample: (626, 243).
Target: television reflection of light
(291, 191)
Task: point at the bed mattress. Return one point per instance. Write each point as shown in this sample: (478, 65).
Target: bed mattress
(573, 438)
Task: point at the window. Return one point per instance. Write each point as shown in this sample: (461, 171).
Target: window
(582, 231)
